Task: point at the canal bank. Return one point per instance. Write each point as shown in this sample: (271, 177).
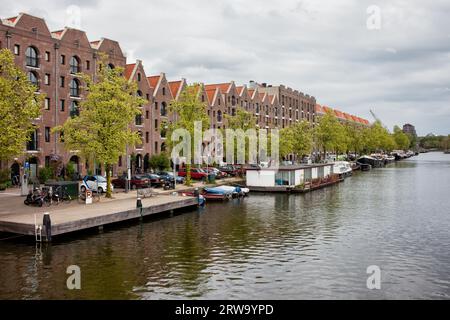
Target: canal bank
(19, 219)
(267, 246)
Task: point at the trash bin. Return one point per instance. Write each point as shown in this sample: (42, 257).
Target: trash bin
(211, 178)
(71, 187)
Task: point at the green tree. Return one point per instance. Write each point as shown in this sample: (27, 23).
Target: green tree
(242, 120)
(19, 105)
(159, 161)
(302, 138)
(189, 108)
(355, 136)
(401, 139)
(286, 142)
(102, 130)
(330, 134)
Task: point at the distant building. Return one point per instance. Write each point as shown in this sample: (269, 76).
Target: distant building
(410, 129)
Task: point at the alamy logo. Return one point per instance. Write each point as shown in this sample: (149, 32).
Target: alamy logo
(374, 280)
(373, 21)
(74, 280)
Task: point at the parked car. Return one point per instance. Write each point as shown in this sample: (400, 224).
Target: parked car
(230, 170)
(196, 173)
(167, 175)
(155, 179)
(136, 182)
(219, 174)
(94, 182)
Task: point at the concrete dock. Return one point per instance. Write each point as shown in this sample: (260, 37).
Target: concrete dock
(17, 218)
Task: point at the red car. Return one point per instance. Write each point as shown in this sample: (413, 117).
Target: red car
(196, 173)
(136, 182)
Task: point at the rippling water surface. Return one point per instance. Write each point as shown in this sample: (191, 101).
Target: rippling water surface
(266, 246)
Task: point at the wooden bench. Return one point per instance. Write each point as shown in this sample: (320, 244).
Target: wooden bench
(146, 192)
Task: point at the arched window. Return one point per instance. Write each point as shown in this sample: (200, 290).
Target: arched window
(75, 65)
(33, 78)
(32, 59)
(219, 116)
(163, 109)
(111, 66)
(74, 88)
(233, 101)
(163, 147)
(74, 109)
(139, 93)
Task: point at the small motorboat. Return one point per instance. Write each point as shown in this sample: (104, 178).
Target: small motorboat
(220, 192)
(226, 190)
(342, 168)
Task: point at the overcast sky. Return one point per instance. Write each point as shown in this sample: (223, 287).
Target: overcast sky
(399, 68)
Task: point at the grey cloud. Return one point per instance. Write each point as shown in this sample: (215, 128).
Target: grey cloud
(319, 47)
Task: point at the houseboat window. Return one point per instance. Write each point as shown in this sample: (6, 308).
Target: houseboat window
(285, 178)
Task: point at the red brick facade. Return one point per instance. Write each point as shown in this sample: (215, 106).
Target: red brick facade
(54, 58)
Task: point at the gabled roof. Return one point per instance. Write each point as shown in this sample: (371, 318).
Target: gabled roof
(211, 93)
(95, 44)
(319, 109)
(251, 93)
(327, 109)
(58, 34)
(129, 68)
(339, 114)
(11, 21)
(348, 117)
(224, 87)
(174, 87)
(153, 80)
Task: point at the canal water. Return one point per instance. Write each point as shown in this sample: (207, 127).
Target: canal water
(267, 246)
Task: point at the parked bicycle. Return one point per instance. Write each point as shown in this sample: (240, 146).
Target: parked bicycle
(63, 195)
(50, 197)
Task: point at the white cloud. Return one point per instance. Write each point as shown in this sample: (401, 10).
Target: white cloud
(319, 47)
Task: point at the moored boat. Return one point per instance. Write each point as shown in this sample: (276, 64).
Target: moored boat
(364, 166)
(342, 168)
(374, 162)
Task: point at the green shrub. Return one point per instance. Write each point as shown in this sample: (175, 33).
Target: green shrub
(5, 175)
(159, 161)
(45, 174)
(2, 186)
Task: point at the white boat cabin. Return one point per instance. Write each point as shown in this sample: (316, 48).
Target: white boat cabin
(287, 176)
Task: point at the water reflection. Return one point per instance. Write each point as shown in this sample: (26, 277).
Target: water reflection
(316, 245)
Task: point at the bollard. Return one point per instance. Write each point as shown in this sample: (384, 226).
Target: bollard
(48, 226)
(138, 203)
(139, 206)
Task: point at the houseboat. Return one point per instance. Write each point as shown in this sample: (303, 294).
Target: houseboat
(293, 178)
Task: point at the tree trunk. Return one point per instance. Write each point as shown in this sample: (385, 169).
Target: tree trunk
(188, 174)
(108, 181)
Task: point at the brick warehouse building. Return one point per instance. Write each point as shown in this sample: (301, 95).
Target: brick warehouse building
(52, 60)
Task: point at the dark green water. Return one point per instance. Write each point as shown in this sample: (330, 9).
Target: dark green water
(264, 247)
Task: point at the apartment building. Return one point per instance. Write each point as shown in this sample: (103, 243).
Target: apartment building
(52, 61)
